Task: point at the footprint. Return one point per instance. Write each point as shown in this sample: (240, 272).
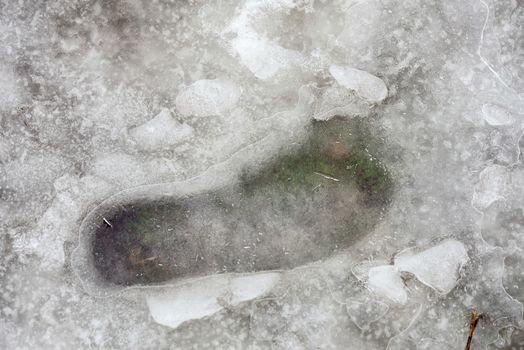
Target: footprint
(306, 205)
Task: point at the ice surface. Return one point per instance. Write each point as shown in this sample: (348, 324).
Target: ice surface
(207, 97)
(9, 90)
(365, 311)
(105, 104)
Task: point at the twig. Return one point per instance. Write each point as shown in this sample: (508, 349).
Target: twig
(475, 317)
(107, 222)
(327, 176)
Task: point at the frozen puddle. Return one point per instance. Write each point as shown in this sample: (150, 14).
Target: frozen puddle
(304, 206)
(318, 198)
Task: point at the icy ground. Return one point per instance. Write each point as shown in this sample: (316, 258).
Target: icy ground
(118, 99)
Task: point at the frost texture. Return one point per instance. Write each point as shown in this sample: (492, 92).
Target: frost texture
(107, 101)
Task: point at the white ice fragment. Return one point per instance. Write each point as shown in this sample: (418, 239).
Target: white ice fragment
(175, 306)
(437, 267)
(386, 282)
(249, 287)
(335, 101)
(207, 97)
(161, 132)
(491, 186)
(361, 270)
(117, 167)
(263, 58)
(495, 115)
(363, 83)
(171, 307)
